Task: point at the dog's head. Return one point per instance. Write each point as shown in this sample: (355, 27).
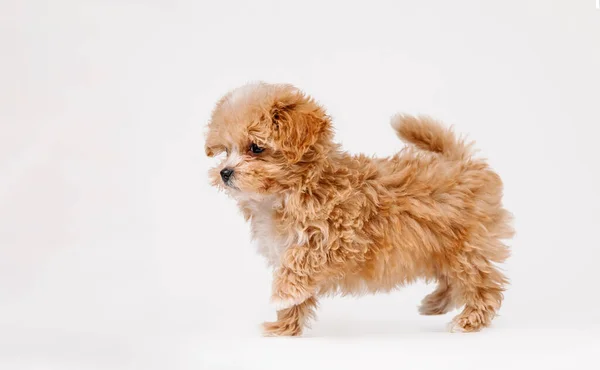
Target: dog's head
(272, 138)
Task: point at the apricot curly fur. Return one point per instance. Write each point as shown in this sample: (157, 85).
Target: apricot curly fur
(329, 222)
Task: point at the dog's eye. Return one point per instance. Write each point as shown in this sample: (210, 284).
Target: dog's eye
(256, 149)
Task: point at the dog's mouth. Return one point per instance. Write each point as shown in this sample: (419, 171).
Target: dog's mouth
(230, 185)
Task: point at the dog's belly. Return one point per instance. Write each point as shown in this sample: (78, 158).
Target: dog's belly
(384, 271)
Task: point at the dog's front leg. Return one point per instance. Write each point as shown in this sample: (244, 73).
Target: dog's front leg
(297, 277)
(295, 285)
(291, 288)
(291, 321)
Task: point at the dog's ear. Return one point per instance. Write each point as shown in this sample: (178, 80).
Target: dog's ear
(298, 122)
(211, 148)
(210, 151)
(212, 142)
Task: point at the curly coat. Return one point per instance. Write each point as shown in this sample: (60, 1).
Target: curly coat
(331, 222)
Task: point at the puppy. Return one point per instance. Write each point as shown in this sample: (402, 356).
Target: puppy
(331, 222)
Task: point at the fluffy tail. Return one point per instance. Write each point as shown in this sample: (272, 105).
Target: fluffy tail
(428, 134)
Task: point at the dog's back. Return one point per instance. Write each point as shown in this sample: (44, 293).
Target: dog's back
(438, 215)
(482, 187)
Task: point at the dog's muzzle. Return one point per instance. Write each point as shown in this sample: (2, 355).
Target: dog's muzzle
(226, 174)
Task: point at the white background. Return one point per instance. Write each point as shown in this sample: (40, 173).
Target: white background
(115, 253)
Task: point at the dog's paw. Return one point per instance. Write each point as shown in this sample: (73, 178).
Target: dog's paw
(430, 308)
(281, 329)
(470, 321)
(454, 327)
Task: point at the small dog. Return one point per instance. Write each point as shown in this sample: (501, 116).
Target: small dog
(330, 222)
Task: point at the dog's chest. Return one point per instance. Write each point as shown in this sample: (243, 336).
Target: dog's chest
(270, 237)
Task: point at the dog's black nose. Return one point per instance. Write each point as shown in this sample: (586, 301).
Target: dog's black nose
(226, 174)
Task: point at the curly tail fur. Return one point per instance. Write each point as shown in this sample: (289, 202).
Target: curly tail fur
(428, 134)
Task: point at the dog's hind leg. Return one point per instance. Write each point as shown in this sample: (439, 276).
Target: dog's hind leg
(480, 284)
(440, 301)
(291, 321)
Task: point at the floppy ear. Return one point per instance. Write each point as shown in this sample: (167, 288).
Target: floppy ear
(210, 152)
(297, 124)
(209, 146)
(212, 144)
(212, 147)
